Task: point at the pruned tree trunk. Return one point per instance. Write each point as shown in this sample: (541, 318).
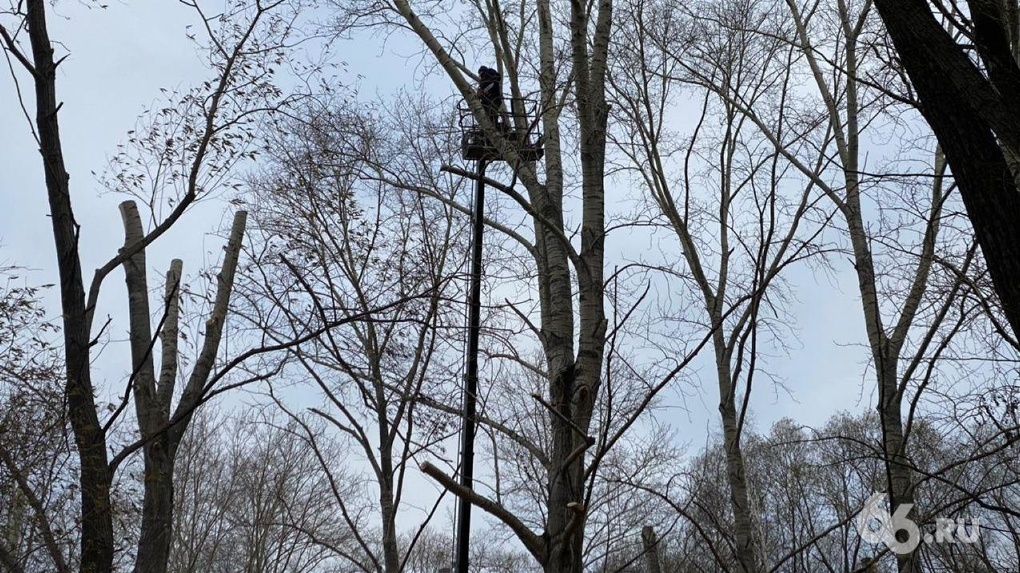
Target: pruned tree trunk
(574, 385)
(650, 542)
(153, 398)
(160, 431)
(157, 505)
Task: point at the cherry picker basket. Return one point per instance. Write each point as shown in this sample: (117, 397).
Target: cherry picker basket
(518, 124)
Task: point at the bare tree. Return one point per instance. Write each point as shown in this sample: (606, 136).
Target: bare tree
(713, 47)
(832, 42)
(574, 371)
(153, 396)
(924, 312)
(244, 44)
(253, 498)
(967, 102)
(808, 486)
(342, 243)
(724, 193)
(350, 290)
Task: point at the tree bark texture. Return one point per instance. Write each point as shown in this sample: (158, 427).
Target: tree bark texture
(650, 541)
(153, 398)
(90, 438)
(976, 123)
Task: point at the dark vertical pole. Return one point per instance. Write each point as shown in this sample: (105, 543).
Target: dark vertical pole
(467, 444)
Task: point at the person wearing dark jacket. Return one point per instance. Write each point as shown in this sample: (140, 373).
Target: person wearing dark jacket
(490, 92)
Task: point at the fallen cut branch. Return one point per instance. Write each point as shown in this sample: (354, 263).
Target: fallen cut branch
(532, 542)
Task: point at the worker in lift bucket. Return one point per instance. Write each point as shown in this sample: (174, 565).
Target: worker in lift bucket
(490, 92)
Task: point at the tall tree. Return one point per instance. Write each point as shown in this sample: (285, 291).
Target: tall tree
(738, 228)
(192, 145)
(252, 496)
(970, 105)
(567, 314)
(923, 312)
(342, 243)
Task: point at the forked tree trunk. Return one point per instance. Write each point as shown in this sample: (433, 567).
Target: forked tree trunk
(153, 397)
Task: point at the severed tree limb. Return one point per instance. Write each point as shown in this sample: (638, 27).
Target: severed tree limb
(168, 338)
(650, 542)
(584, 435)
(140, 327)
(588, 442)
(213, 329)
(577, 516)
(532, 542)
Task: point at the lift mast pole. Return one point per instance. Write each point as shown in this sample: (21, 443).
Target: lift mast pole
(467, 444)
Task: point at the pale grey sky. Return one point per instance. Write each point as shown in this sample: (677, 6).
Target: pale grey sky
(119, 59)
(122, 56)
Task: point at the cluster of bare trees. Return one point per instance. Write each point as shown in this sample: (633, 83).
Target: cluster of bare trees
(755, 144)
(808, 485)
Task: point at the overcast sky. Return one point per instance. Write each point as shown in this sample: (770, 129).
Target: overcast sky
(123, 55)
